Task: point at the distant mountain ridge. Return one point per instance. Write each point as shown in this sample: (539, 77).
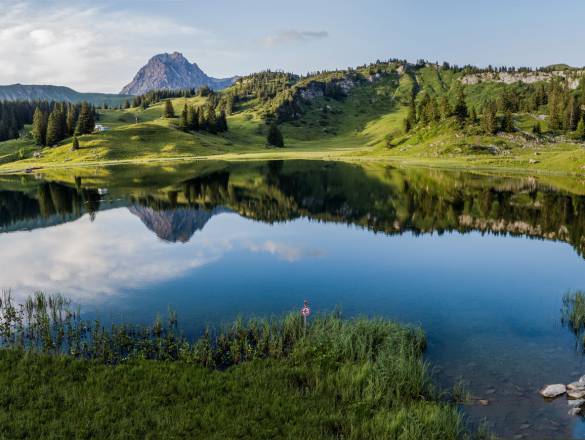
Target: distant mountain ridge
(22, 92)
(172, 72)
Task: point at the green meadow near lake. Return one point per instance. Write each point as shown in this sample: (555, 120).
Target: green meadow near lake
(417, 114)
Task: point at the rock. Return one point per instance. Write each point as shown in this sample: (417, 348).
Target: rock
(576, 386)
(574, 411)
(578, 403)
(551, 391)
(576, 394)
(533, 161)
(484, 402)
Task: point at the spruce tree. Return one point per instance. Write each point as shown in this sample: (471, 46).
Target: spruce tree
(39, 127)
(460, 110)
(274, 137)
(75, 145)
(537, 128)
(489, 120)
(508, 122)
(193, 122)
(580, 131)
(222, 122)
(212, 121)
(444, 108)
(70, 120)
(169, 110)
(185, 118)
(85, 121)
(54, 128)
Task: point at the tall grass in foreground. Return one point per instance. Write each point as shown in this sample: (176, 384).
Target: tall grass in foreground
(342, 379)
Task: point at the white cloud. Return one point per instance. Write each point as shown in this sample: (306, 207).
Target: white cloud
(90, 49)
(289, 36)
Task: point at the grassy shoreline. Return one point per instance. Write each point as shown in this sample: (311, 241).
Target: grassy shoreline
(462, 164)
(62, 377)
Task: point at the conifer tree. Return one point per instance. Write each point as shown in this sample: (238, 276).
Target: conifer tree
(580, 131)
(169, 110)
(39, 127)
(222, 122)
(508, 122)
(85, 121)
(70, 120)
(444, 108)
(54, 128)
(185, 118)
(75, 145)
(274, 137)
(489, 120)
(537, 128)
(460, 110)
(193, 123)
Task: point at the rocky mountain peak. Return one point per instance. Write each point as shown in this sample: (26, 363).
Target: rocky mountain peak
(172, 71)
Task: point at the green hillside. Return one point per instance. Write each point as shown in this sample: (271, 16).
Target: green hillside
(420, 114)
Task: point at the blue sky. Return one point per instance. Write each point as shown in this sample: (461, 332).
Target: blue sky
(99, 45)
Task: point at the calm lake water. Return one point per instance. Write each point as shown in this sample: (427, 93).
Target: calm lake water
(480, 262)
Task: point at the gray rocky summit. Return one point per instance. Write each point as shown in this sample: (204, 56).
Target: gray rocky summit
(172, 72)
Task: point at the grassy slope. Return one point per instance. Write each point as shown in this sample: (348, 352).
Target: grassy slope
(351, 129)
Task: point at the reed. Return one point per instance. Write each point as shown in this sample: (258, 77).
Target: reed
(573, 312)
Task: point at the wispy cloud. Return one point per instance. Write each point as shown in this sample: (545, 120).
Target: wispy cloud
(291, 36)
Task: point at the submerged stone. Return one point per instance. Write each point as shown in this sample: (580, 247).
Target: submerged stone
(577, 403)
(555, 390)
(574, 411)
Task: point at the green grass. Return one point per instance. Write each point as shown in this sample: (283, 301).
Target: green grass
(61, 377)
(573, 311)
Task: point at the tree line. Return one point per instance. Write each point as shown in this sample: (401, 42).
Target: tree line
(14, 115)
(50, 126)
(494, 110)
(194, 118)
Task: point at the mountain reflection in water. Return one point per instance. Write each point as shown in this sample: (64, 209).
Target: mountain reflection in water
(385, 200)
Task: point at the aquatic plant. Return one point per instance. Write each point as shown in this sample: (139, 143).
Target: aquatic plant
(573, 313)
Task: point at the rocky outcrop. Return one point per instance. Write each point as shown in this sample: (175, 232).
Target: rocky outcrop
(572, 76)
(172, 72)
(304, 93)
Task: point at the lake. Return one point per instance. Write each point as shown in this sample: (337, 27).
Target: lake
(480, 262)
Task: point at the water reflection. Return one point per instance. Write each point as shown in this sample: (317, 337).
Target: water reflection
(384, 199)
